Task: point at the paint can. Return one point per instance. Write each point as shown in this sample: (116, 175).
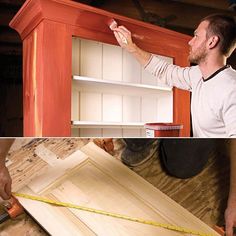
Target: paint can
(162, 130)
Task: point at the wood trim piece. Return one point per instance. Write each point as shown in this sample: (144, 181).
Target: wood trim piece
(114, 179)
(47, 84)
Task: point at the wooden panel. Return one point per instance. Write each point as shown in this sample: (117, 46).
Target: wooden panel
(94, 179)
(75, 113)
(112, 132)
(132, 133)
(47, 114)
(131, 69)
(91, 59)
(165, 112)
(93, 132)
(112, 62)
(90, 106)
(131, 109)
(149, 109)
(112, 108)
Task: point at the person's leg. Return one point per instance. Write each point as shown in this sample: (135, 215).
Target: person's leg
(138, 150)
(184, 158)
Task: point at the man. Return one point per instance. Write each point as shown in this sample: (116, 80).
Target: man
(5, 179)
(212, 83)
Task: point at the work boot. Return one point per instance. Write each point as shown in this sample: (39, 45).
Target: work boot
(138, 151)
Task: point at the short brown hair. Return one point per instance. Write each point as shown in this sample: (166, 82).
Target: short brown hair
(225, 28)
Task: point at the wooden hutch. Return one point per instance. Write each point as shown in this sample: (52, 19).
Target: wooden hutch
(48, 27)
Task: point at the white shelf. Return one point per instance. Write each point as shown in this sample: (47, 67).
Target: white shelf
(91, 124)
(91, 84)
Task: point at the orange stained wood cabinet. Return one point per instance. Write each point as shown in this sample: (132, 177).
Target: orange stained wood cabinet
(46, 28)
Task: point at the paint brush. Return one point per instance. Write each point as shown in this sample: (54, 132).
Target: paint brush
(112, 25)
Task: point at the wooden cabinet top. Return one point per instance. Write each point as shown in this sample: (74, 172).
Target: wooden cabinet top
(77, 16)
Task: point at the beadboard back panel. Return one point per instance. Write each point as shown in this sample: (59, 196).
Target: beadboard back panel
(111, 102)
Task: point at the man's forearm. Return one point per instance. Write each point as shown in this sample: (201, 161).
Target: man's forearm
(5, 145)
(141, 56)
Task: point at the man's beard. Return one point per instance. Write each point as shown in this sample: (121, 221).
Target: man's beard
(199, 55)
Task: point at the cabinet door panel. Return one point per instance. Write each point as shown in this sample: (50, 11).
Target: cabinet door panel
(94, 179)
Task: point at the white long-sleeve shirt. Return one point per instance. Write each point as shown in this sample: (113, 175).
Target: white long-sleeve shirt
(213, 103)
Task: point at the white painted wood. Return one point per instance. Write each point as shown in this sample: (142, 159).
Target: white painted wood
(131, 132)
(90, 132)
(112, 133)
(75, 104)
(82, 83)
(75, 56)
(75, 132)
(131, 69)
(90, 106)
(91, 59)
(131, 109)
(102, 182)
(165, 113)
(109, 87)
(112, 108)
(149, 109)
(85, 84)
(112, 62)
(118, 125)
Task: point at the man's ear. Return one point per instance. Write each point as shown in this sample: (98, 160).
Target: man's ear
(213, 41)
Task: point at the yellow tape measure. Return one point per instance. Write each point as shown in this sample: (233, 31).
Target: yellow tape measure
(101, 212)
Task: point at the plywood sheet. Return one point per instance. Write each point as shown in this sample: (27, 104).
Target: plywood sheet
(92, 178)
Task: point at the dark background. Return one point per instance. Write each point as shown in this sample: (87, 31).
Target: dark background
(182, 16)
